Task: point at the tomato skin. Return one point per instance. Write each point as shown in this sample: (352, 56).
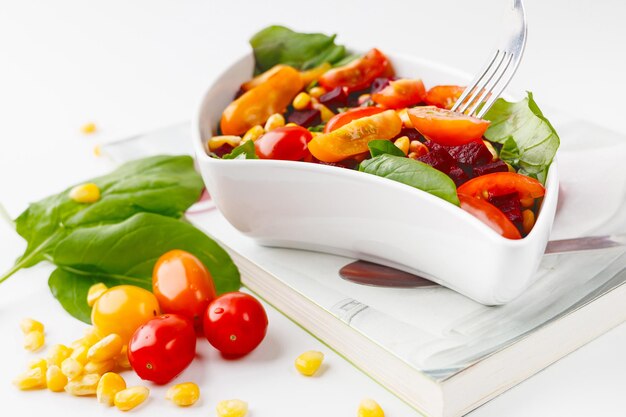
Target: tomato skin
(287, 143)
(446, 127)
(400, 93)
(490, 215)
(162, 348)
(346, 117)
(235, 324)
(501, 183)
(359, 73)
(443, 96)
(183, 285)
(122, 309)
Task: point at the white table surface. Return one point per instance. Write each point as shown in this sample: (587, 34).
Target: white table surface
(132, 66)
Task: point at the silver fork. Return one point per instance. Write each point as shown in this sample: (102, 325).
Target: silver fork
(489, 83)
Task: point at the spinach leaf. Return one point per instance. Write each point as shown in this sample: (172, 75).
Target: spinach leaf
(280, 45)
(244, 151)
(317, 128)
(529, 140)
(382, 147)
(413, 173)
(125, 253)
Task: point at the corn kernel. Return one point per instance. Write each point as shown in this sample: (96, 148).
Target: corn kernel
(88, 128)
(417, 148)
(130, 398)
(108, 386)
(30, 325)
(253, 133)
(122, 361)
(71, 368)
(95, 291)
(218, 141)
(510, 167)
(494, 154)
(301, 101)
(55, 379)
(528, 220)
(85, 385)
(309, 362)
(527, 202)
(291, 124)
(80, 354)
(404, 116)
(100, 368)
(34, 340)
(317, 92)
(274, 121)
(85, 193)
(232, 408)
(370, 408)
(33, 378)
(105, 349)
(183, 395)
(38, 363)
(403, 144)
(57, 354)
(325, 113)
(91, 336)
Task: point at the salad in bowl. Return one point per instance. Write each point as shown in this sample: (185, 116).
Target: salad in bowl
(302, 144)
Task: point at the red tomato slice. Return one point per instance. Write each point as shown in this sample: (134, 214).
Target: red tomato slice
(359, 73)
(447, 127)
(346, 117)
(443, 96)
(287, 143)
(401, 93)
(501, 183)
(490, 215)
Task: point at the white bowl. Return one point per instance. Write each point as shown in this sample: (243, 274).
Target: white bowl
(345, 212)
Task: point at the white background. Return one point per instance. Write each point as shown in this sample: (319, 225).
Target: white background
(132, 66)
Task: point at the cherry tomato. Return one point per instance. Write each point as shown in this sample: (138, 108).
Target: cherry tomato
(501, 183)
(359, 73)
(490, 215)
(235, 323)
(122, 309)
(287, 143)
(162, 348)
(447, 127)
(400, 93)
(443, 96)
(183, 285)
(346, 117)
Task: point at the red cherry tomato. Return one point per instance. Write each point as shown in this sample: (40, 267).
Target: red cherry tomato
(359, 73)
(235, 323)
(183, 285)
(447, 127)
(490, 215)
(346, 117)
(162, 348)
(501, 183)
(443, 96)
(287, 143)
(400, 93)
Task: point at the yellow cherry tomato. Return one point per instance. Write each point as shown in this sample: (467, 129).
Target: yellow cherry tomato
(122, 310)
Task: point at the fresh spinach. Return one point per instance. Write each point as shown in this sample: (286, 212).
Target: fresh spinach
(244, 151)
(317, 128)
(382, 147)
(413, 173)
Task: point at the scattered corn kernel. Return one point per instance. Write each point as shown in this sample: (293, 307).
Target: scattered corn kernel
(528, 220)
(253, 133)
(489, 146)
(184, 394)
(291, 124)
(108, 386)
(417, 148)
(85, 385)
(80, 354)
(71, 368)
(91, 336)
(527, 202)
(309, 362)
(325, 113)
(130, 398)
(274, 121)
(404, 116)
(510, 167)
(370, 408)
(232, 408)
(30, 325)
(317, 92)
(85, 193)
(55, 379)
(97, 151)
(301, 101)
(38, 363)
(218, 141)
(34, 340)
(403, 144)
(101, 367)
(106, 348)
(34, 378)
(57, 354)
(88, 128)
(122, 360)
(95, 291)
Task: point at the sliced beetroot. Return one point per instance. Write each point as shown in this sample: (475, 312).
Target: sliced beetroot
(510, 205)
(496, 166)
(439, 159)
(472, 153)
(346, 163)
(378, 84)
(239, 93)
(458, 176)
(335, 98)
(305, 118)
(223, 150)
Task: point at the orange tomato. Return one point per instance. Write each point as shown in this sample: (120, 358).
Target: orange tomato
(443, 96)
(490, 215)
(501, 183)
(446, 127)
(359, 73)
(400, 93)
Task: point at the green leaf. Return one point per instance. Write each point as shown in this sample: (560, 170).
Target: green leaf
(529, 140)
(125, 253)
(280, 45)
(413, 173)
(316, 128)
(244, 151)
(382, 147)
